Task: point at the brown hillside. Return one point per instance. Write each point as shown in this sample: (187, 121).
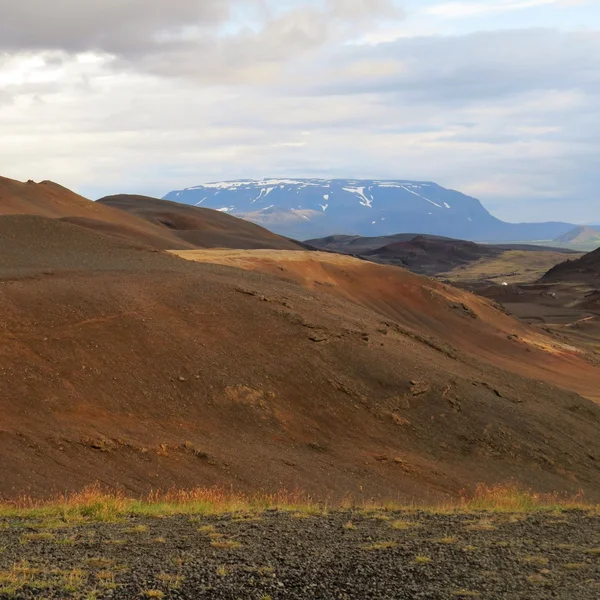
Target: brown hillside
(147, 221)
(48, 199)
(142, 370)
(583, 270)
(200, 227)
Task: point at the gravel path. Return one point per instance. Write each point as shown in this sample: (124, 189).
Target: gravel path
(278, 556)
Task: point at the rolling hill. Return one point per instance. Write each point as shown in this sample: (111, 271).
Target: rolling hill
(450, 258)
(311, 208)
(198, 227)
(147, 221)
(271, 369)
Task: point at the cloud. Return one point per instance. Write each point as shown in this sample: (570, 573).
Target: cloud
(209, 40)
(111, 26)
(462, 70)
(152, 96)
(456, 10)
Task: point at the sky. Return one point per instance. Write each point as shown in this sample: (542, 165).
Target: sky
(499, 99)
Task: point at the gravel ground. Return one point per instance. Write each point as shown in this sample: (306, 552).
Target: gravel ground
(278, 555)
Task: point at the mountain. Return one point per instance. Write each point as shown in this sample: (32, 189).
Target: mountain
(311, 208)
(580, 235)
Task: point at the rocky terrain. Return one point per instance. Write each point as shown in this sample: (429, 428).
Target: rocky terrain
(583, 270)
(275, 555)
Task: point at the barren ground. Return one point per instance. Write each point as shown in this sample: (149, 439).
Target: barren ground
(343, 555)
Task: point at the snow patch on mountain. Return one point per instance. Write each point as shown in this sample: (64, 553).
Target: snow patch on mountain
(311, 208)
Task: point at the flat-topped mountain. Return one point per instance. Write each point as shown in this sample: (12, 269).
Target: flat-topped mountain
(311, 208)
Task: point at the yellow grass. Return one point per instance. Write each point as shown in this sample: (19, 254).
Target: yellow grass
(96, 504)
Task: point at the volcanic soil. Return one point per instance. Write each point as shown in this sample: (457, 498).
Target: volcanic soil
(351, 555)
(327, 374)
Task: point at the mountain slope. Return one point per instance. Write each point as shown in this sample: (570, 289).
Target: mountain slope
(200, 227)
(147, 221)
(49, 199)
(310, 208)
(306, 371)
(580, 235)
(583, 270)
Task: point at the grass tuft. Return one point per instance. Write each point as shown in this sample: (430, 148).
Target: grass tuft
(535, 560)
(225, 544)
(402, 525)
(171, 581)
(222, 571)
(379, 546)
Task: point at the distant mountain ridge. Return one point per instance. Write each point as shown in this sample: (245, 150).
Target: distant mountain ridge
(426, 254)
(311, 208)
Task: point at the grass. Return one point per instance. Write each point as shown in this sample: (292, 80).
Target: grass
(22, 575)
(535, 560)
(99, 562)
(225, 544)
(380, 546)
(171, 581)
(36, 537)
(97, 505)
(482, 525)
(402, 525)
(447, 540)
(422, 560)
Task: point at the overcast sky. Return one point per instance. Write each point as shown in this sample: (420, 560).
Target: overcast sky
(499, 99)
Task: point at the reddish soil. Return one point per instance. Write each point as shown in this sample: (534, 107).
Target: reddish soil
(335, 376)
(146, 221)
(199, 227)
(48, 199)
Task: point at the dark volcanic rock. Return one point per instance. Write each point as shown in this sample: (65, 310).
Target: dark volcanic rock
(280, 556)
